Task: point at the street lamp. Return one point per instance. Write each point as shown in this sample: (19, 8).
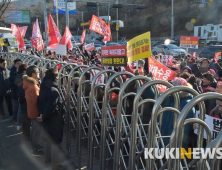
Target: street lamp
(93, 4)
(117, 6)
(172, 22)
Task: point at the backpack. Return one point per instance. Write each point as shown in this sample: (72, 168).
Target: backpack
(60, 105)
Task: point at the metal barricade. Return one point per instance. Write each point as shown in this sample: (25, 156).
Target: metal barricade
(123, 133)
(108, 121)
(72, 107)
(176, 137)
(95, 113)
(83, 109)
(215, 163)
(63, 78)
(135, 153)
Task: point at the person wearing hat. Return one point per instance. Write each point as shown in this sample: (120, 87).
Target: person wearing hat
(168, 116)
(208, 81)
(176, 69)
(205, 66)
(141, 69)
(209, 85)
(187, 69)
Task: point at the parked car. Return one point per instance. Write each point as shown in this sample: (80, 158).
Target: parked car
(122, 43)
(170, 48)
(209, 52)
(163, 42)
(28, 44)
(112, 44)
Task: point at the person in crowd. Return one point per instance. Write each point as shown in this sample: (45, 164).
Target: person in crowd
(168, 117)
(14, 98)
(216, 112)
(209, 85)
(5, 90)
(205, 65)
(208, 81)
(194, 81)
(187, 69)
(52, 118)
(176, 69)
(22, 118)
(31, 87)
(181, 62)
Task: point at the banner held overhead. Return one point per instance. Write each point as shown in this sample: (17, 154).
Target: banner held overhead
(139, 47)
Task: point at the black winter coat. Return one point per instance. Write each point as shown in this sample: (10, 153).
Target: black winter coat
(13, 74)
(4, 81)
(47, 104)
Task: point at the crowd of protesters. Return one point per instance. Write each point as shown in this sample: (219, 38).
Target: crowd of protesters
(35, 108)
(36, 105)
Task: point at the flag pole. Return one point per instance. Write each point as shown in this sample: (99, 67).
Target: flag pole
(45, 20)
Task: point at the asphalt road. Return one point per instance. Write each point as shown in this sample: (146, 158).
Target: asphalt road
(15, 152)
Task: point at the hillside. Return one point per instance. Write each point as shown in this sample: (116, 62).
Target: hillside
(156, 17)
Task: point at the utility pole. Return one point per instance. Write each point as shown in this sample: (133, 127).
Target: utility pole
(45, 20)
(82, 20)
(172, 22)
(117, 11)
(67, 13)
(98, 8)
(57, 14)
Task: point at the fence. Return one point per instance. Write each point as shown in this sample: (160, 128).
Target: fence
(119, 140)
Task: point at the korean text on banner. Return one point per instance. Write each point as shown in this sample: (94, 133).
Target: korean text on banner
(189, 42)
(98, 25)
(160, 72)
(114, 55)
(89, 47)
(214, 124)
(165, 59)
(139, 47)
(100, 79)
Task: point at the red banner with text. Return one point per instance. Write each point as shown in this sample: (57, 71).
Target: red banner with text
(160, 72)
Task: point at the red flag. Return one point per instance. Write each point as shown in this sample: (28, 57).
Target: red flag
(217, 56)
(83, 36)
(14, 29)
(20, 41)
(194, 55)
(108, 36)
(66, 37)
(36, 39)
(23, 30)
(160, 72)
(32, 42)
(170, 61)
(53, 33)
(98, 25)
(70, 46)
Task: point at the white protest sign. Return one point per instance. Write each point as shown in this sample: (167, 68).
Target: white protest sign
(213, 123)
(100, 79)
(165, 59)
(89, 47)
(61, 49)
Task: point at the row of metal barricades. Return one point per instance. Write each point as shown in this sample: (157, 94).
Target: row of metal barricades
(116, 142)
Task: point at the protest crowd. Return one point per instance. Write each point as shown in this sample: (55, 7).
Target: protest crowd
(35, 103)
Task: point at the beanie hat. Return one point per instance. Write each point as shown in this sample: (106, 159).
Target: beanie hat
(212, 72)
(209, 76)
(188, 68)
(179, 81)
